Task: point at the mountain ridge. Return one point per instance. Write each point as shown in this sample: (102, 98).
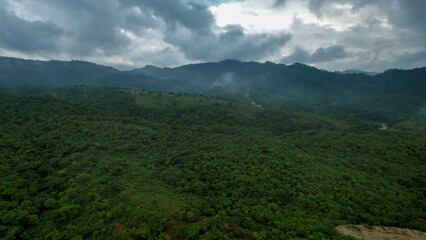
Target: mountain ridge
(390, 96)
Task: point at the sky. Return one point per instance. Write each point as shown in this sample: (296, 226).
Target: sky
(371, 35)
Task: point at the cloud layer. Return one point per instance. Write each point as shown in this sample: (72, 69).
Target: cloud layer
(28, 36)
(331, 34)
(330, 53)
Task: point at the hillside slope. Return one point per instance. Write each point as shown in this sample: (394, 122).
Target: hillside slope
(91, 162)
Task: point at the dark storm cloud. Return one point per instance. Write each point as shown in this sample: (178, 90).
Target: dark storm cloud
(403, 60)
(315, 6)
(231, 43)
(192, 28)
(191, 15)
(28, 36)
(91, 29)
(413, 57)
(94, 28)
(409, 15)
(299, 55)
(279, 3)
(330, 53)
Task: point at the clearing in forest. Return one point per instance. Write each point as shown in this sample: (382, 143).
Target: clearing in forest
(380, 233)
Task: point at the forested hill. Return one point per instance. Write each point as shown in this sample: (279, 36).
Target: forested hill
(108, 163)
(392, 96)
(272, 77)
(18, 74)
(218, 74)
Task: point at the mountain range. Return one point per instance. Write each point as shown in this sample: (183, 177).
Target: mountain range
(391, 96)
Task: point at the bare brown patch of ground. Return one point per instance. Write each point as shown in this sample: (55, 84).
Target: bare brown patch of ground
(380, 233)
(117, 227)
(169, 232)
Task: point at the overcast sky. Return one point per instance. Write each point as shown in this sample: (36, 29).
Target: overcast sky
(370, 35)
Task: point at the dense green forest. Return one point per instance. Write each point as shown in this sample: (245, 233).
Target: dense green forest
(108, 163)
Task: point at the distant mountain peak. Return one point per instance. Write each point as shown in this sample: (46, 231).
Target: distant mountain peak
(357, 71)
(150, 67)
(230, 61)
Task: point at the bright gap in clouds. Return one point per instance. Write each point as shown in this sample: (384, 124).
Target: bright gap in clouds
(258, 16)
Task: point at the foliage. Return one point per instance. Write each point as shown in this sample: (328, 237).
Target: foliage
(103, 163)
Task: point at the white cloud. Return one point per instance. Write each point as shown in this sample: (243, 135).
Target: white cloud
(258, 16)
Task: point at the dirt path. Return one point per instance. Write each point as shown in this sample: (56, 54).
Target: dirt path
(380, 233)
